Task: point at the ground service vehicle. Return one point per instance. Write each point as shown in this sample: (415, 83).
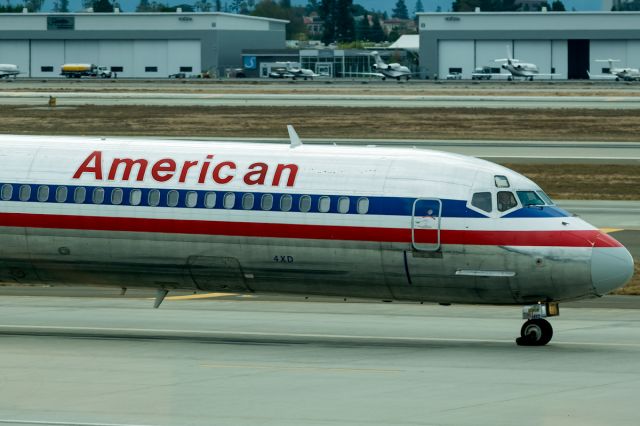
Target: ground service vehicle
(85, 70)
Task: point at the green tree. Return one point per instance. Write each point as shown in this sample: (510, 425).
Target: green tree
(61, 6)
(143, 6)
(485, 5)
(312, 6)
(103, 6)
(218, 6)
(400, 11)
(285, 4)
(377, 33)
(11, 9)
(271, 9)
(202, 6)
(33, 5)
(363, 29)
(339, 24)
(558, 6)
(418, 7)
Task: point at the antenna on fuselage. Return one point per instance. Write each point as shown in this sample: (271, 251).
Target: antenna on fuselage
(293, 137)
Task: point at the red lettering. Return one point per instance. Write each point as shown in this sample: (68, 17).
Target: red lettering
(163, 169)
(205, 168)
(216, 172)
(96, 158)
(256, 177)
(128, 166)
(293, 171)
(185, 170)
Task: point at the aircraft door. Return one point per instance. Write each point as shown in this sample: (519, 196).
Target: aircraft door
(425, 224)
(213, 273)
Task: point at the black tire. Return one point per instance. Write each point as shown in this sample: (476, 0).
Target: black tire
(536, 332)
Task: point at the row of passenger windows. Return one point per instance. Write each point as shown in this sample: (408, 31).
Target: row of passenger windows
(154, 198)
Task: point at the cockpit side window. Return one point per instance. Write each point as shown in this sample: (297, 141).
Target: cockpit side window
(501, 181)
(530, 198)
(506, 201)
(482, 200)
(546, 198)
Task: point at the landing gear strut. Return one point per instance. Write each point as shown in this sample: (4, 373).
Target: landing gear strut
(537, 331)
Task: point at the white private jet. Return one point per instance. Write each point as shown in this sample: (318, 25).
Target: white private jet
(8, 70)
(379, 223)
(626, 73)
(293, 72)
(521, 69)
(384, 70)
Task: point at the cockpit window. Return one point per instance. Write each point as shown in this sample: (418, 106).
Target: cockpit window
(530, 198)
(506, 201)
(482, 200)
(501, 181)
(546, 198)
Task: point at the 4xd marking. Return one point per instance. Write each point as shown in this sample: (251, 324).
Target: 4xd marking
(200, 171)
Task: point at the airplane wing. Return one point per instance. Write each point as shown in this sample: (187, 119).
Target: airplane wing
(601, 76)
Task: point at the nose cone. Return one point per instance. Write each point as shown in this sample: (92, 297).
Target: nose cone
(611, 267)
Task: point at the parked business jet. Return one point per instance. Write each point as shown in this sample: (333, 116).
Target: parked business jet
(626, 73)
(9, 70)
(381, 223)
(521, 69)
(384, 70)
(293, 72)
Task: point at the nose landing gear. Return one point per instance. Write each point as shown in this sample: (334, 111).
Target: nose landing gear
(537, 331)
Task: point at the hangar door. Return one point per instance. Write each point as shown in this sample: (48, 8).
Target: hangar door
(578, 59)
(15, 52)
(534, 51)
(455, 56)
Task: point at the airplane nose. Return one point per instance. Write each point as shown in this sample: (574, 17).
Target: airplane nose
(611, 267)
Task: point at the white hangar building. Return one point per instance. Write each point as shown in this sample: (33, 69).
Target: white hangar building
(566, 43)
(134, 44)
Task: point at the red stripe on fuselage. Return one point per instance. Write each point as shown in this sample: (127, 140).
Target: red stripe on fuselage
(560, 238)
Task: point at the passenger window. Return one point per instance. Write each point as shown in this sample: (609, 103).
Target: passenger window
(43, 193)
(530, 198)
(116, 196)
(285, 203)
(343, 205)
(61, 194)
(229, 200)
(506, 201)
(267, 202)
(482, 201)
(153, 198)
(79, 195)
(172, 198)
(324, 204)
(25, 193)
(98, 196)
(191, 199)
(247, 201)
(135, 197)
(363, 205)
(305, 203)
(7, 192)
(210, 200)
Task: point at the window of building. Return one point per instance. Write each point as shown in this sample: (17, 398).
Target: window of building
(61, 194)
(305, 203)
(363, 205)
(6, 192)
(153, 198)
(191, 199)
(150, 69)
(482, 200)
(79, 195)
(343, 205)
(229, 200)
(506, 201)
(172, 198)
(210, 200)
(43, 193)
(117, 68)
(98, 196)
(455, 70)
(286, 202)
(247, 201)
(25, 193)
(266, 203)
(46, 68)
(186, 69)
(116, 196)
(324, 204)
(135, 197)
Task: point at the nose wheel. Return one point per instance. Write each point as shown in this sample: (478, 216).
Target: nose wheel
(535, 332)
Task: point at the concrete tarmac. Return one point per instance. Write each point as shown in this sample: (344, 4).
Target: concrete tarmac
(244, 362)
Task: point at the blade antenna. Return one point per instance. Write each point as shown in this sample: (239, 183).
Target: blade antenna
(293, 137)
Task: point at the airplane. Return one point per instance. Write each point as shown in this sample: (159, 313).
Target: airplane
(626, 73)
(9, 70)
(384, 70)
(368, 222)
(520, 69)
(289, 71)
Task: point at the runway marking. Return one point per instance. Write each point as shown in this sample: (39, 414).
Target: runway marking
(201, 296)
(280, 367)
(610, 230)
(228, 333)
